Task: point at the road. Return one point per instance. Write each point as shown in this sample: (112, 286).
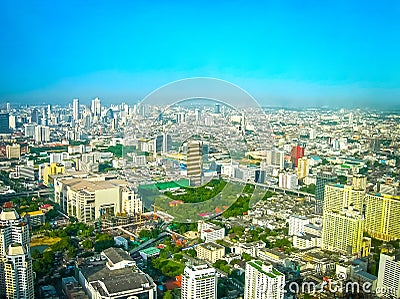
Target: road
(273, 188)
(38, 193)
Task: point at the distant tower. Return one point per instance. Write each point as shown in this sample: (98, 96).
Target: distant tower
(75, 109)
(96, 107)
(49, 112)
(323, 179)
(217, 108)
(351, 119)
(194, 162)
(197, 114)
(16, 275)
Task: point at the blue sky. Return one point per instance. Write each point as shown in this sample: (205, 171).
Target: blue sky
(294, 53)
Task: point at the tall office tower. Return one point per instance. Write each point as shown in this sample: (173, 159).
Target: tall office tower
(262, 281)
(275, 158)
(75, 109)
(96, 107)
(389, 276)
(323, 178)
(199, 282)
(312, 133)
(337, 197)
(42, 134)
(194, 162)
(4, 123)
(359, 182)
(180, 117)
(302, 168)
(8, 107)
(296, 154)
(217, 108)
(197, 114)
(12, 122)
(351, 119)
(16, 275)
(35, 116)
(166, 143)
(30, 130)
(49, 112)
(382, 216)
(343, 231)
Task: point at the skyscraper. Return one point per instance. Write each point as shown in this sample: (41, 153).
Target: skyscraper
(194, 162)
(296, 154)
(343, 231)
(75, 109)
(4, 123)
(42, 134)
(96, 107)
(323, 178)
(302, 168)
(262, 281)
(16, 275)
(199, 282)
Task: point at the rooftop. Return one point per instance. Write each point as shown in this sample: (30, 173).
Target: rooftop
(117, 255)
(116, 281)
(9, 214)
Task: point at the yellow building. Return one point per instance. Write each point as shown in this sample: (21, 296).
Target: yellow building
(337, 197)
(382, 216)
(51, 169)
(359, 182)
(343, 231)
(210, 251)
(88, 200)
(302, 168)
(13, 151)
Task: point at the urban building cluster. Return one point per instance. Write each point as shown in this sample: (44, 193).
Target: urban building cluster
(298, 197)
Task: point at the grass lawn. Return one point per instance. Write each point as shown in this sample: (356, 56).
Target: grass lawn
(44, 241)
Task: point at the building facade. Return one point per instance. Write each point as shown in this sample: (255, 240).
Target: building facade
(262, 281)
(199, 282)
(16, 275)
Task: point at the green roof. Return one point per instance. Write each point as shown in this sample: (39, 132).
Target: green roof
(258, 265)
(150, 251)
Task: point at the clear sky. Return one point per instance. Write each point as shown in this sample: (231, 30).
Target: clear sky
(282, 52)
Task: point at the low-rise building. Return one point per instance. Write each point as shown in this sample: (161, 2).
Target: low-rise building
(210, 232)
(35, 218)
(210, 251)
(116, 278)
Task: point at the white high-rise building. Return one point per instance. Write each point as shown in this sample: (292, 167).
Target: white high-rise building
(297, 224)
(16, 275)
(288, 181)
(42, 134)
(389, 276)
(262, 281)
(96, 107)
(75, 109)
(199, 282)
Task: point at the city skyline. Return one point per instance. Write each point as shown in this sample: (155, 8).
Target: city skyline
(290, 54)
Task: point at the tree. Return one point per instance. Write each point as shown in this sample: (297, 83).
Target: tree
(87, 244)
(168, 295)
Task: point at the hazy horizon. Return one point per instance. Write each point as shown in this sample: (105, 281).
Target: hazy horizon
(296, 54)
